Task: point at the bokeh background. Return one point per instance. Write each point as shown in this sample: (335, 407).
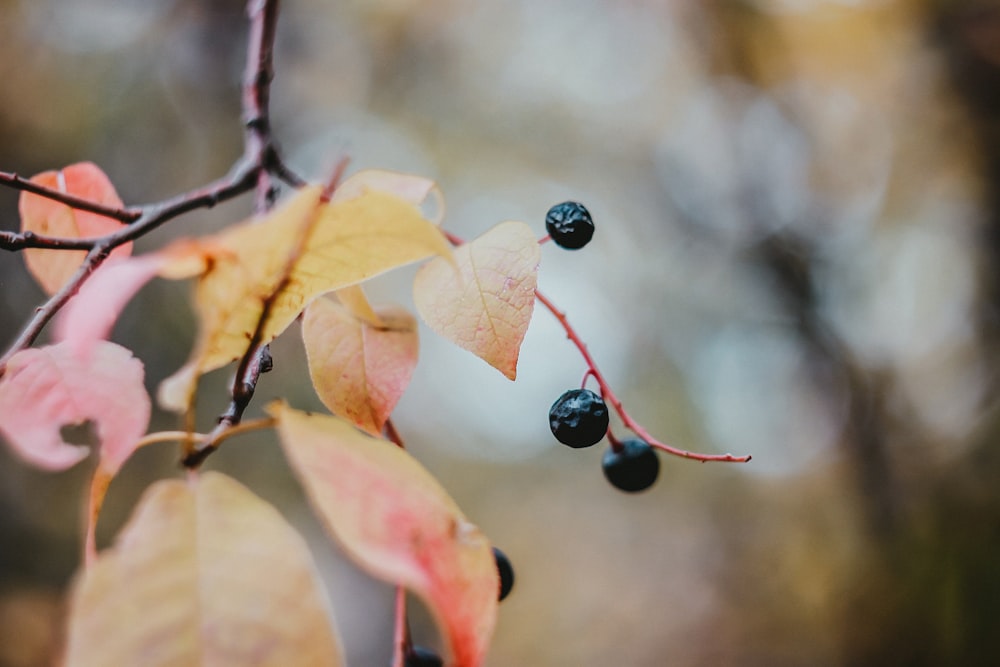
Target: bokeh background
(798, 212)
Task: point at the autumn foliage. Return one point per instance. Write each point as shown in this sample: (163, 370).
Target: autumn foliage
(210, 557)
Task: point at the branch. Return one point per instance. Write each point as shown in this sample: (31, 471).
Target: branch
(250, 172)
(19, 183)
(612, 398)
(46, 312)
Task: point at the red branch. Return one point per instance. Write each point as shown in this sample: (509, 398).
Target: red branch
(606, 391)
(401, 633)
(610, 396)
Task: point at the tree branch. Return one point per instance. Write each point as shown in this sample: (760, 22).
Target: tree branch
(19, 183)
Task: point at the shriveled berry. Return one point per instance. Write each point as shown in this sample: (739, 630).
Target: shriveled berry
(506, 571)
(633, 468)
(420, 656)
(570, 225)
(579, 418)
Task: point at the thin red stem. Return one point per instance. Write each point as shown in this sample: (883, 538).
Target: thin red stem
(401, 634)
(610, 396)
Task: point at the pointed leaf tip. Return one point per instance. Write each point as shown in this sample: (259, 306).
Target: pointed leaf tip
(485, 307)
(398, 523)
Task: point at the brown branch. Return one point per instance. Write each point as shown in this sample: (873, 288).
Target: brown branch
(126, 215)
(260, 157)
(46, 312)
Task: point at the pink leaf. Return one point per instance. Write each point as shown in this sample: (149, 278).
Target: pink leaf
(52, 268)
(50, 387)
(90, 315)
(484, 307)
(397, 522)
(359, 370)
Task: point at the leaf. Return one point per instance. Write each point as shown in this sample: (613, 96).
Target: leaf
(52, 268)
(415, 189)
(204, 573)
(90, 315)
(299, 251)
(50, 387)
(359, 370)
(486, 306)
(354, 300)
(397, 522)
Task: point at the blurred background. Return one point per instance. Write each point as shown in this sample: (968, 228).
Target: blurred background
(798, 215)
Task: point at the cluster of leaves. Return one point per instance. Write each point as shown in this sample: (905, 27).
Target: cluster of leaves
(214, 561)
(253, 280)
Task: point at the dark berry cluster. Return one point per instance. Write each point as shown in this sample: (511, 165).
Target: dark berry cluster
(570, 225)
(579, 418)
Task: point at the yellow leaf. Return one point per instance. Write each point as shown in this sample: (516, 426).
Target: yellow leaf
(485, 306)
(282, 262)
(415, 189)
(354, 300)
(394, 518)
(359, 370)
(203, 574)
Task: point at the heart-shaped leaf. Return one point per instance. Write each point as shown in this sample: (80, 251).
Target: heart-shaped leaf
(486, 305)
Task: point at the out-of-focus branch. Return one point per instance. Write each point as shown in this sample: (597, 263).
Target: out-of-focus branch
(252, 171)
(19, 183)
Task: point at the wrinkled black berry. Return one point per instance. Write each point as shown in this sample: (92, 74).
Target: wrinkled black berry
(579, 418)
(632, 469)
(570, 225)
(506, 571)
(419, 656)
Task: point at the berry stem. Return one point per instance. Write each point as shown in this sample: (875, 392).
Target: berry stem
(401, 635)
(610, 396)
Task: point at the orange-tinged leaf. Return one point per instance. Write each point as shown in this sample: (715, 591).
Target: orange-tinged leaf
(485, 306)
(52, 268)
(285, 260)
(204, 573)
(50, 387)
(359, 370)
(397, 522)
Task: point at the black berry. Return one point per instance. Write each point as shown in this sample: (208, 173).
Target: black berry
(506, 571)
(419, 656)
(579, 418)
(633, 468)
(570, 225)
